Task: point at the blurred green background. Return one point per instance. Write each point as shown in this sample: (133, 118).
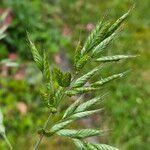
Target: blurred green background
(57, 25)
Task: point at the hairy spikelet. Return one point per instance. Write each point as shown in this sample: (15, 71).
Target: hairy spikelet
(79, 144)
(78, 134)
(72, 108)
(63, 79)
(59, 75)
(89, 146)
(82, 80)
(103, 45)
(44, 97)
(66, 79)
(36, 56)
(92, 39)
(104, 147)
(46, 71)
(84, 106)
(80, 90)
(81, 62)
(58, 96)
(117, 24)
(108, 79)
(98, 146)
(114, 58)
(102, 34)
(60, 125)
(84, 114)
(77, 53)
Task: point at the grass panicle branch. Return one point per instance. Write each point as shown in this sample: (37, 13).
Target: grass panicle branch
(72, 85)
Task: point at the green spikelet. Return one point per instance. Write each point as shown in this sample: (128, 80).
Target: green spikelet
(44, 97)
(79, 144)
(91, 146)
(79, 134)
(103, 45)
(72, 108)
(66, 79)
(84, 114)
(108, 79)
(80, 90)
(36, 56)
(60, 125)
(114, 58)
(92, 39)
(77, 53)
(46, 72)
(58, 96)
(82, 80)
(84, 106)
(59, 75)
(117, 24)
(63, 79)
(104, 147)
(82, 61)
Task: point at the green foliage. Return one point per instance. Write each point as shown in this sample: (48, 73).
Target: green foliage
(38, 18)
(2, 128)
(100, 37)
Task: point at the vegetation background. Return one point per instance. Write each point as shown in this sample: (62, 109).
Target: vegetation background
(57, 26)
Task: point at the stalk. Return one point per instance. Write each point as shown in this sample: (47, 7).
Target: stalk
(7, 141)
(41, 136)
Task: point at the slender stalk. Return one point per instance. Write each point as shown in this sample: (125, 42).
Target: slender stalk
(41, 136)
(7, 141)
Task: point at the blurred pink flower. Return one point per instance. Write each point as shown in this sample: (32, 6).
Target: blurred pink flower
(12, 56)
(66, 31)
(89, 26)
(22, 107)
